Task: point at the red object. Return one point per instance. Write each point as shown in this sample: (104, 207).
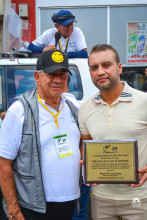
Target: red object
(137, 61)
(31, 15)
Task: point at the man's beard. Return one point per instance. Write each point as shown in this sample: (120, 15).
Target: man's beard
(104, 87)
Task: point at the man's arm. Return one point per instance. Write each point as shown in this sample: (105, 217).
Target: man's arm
(39, 44)
(7, 184)
(35, 49)
(78, 54)
(39, 49)
(84, 137)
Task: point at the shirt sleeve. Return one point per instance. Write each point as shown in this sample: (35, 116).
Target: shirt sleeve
(80, 40)
(11, 131)
(44, 39)
(35, 49)
(73, 99)
(82, 122)
(78, 54)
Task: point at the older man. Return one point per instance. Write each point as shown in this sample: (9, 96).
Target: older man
(39, 147)
(64, 37)
(117, 111)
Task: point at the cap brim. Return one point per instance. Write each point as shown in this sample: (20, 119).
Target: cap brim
(65, 22)
(54, 68)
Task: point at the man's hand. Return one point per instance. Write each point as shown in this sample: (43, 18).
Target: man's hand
(18, 216)
(2, 115)
(142, 177)
(50, 47)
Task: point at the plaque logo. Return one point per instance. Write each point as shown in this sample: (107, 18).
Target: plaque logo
(109, 149)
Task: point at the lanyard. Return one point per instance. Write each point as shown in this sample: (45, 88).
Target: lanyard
(65, 45)
(55, 116)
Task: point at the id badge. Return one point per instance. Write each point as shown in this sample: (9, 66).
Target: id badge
(63, 146)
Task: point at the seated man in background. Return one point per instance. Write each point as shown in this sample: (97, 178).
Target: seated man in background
(64, 37)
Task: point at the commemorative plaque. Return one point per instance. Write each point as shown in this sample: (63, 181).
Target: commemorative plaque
(110, 161)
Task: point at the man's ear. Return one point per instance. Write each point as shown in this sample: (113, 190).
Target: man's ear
(57, 26)
(37, 78)
(120, 68)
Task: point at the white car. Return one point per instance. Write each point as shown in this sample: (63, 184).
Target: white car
(17, 76)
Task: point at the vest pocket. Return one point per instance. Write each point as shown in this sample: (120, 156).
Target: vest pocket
(25, 157)
(26, 188)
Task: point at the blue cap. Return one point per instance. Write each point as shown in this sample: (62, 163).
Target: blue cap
(63, 17)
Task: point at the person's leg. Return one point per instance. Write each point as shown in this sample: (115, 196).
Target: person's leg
(103, 209)
(59, 210)
(32, 215)
(55, 211)
(132, 210)
(83, 203)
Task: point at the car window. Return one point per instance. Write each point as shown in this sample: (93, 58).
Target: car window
(75, 86)
(134, 76)
(19, 80)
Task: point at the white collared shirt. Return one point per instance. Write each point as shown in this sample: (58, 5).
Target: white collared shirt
(60, 175)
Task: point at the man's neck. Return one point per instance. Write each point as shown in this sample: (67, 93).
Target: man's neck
(52, 102)
(65, 37)
(111, 95)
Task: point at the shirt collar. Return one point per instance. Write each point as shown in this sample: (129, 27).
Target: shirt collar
(126, 95)
(63, 100)
(68, 95)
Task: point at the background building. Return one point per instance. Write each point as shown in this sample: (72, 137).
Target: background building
(101, 21)
(109, 21)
